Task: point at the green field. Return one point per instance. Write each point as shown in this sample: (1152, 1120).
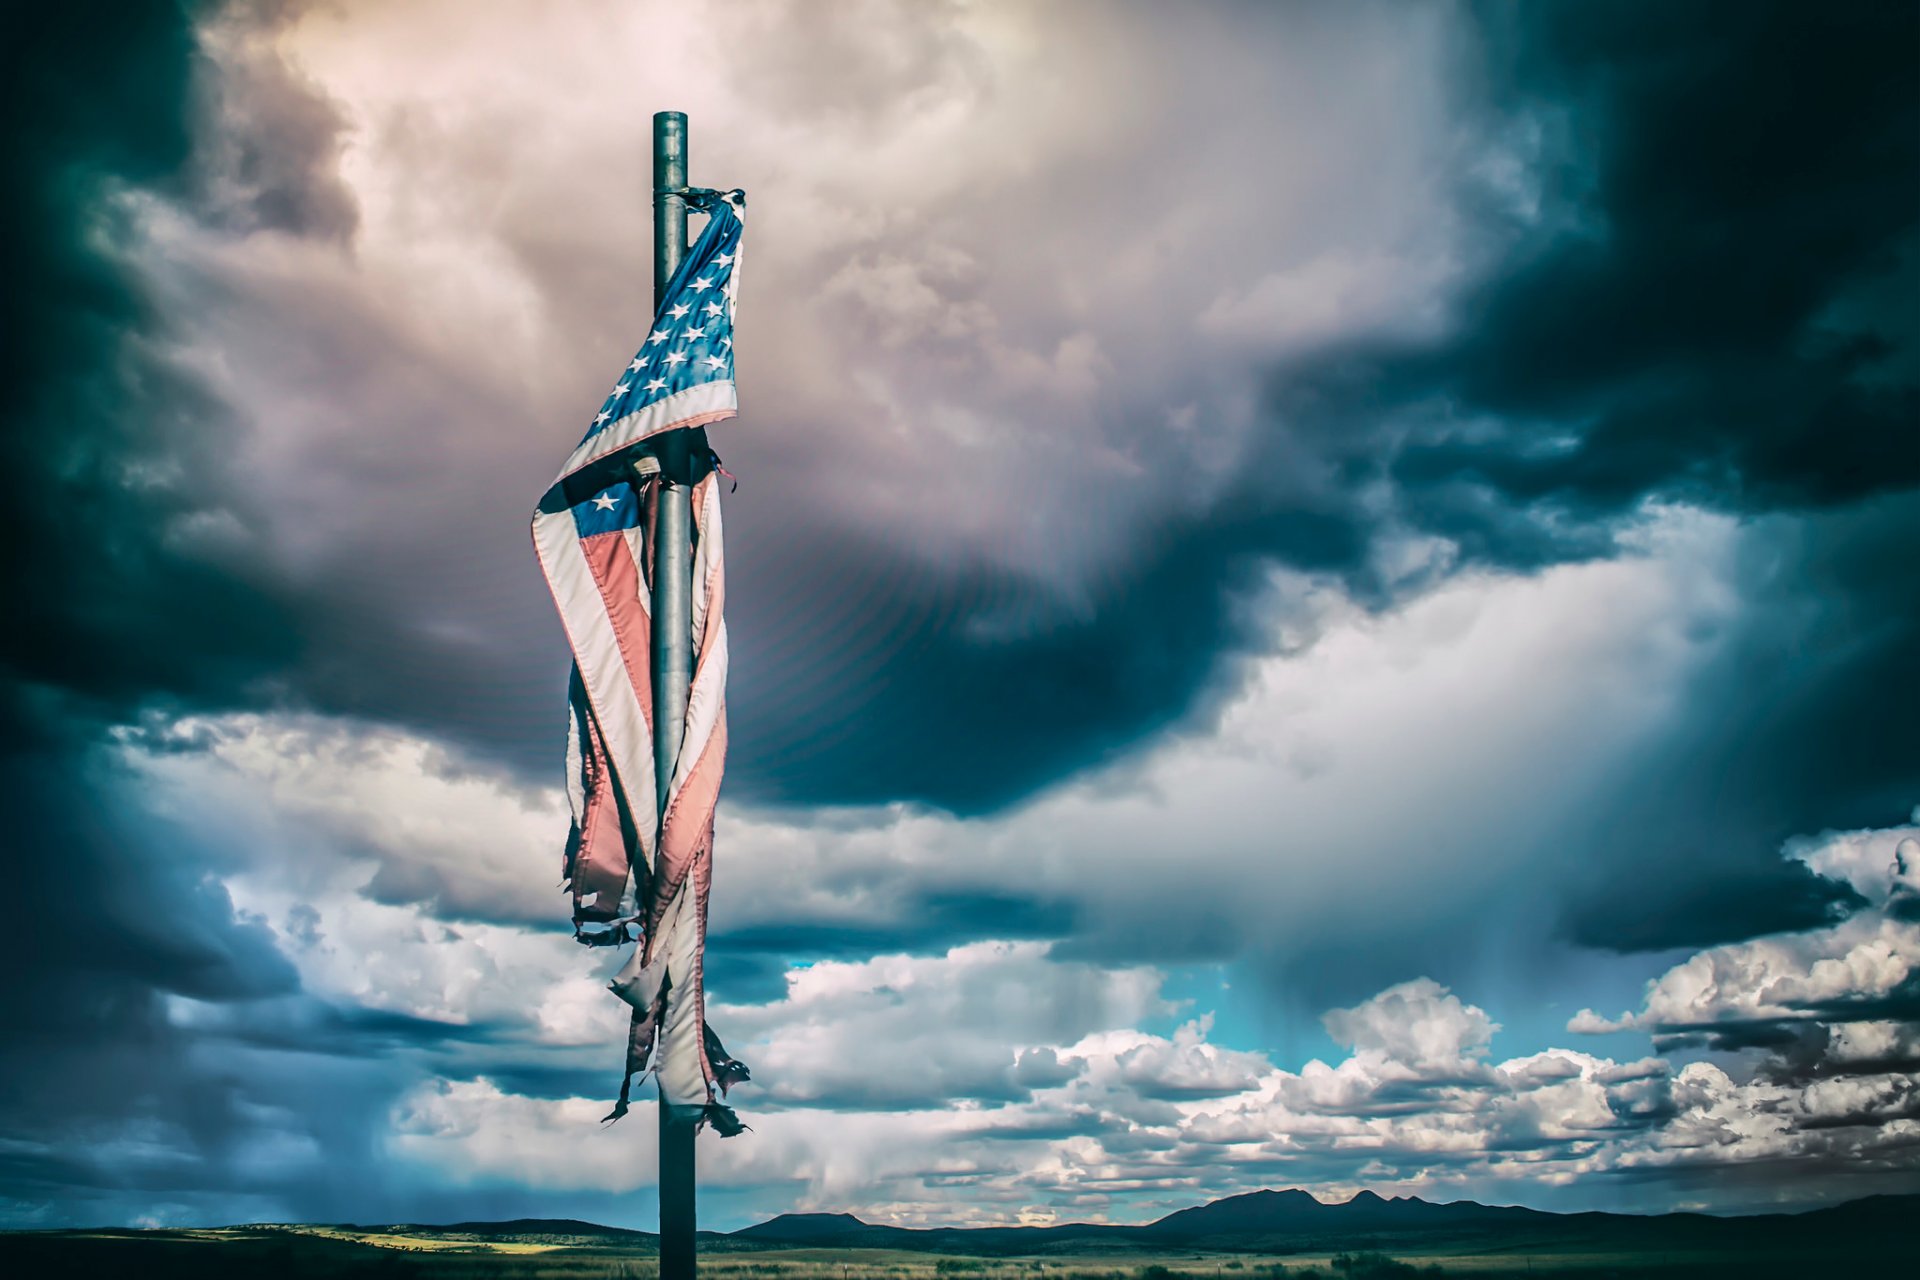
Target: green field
(289, 1252)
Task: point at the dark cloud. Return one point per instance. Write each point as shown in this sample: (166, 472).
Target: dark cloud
(1711, 306)
(924, 924)
(131, 528)
(1802, 1047)
(1690, 313)
(1707, 300)
(110, 463)
(969, 690)
(1726, 896)
(1678, 322)
(133, 586)
(1804, 725)
(99, 934)
(267, 142)
(99, 442)
(867, 672)
(160, 1056)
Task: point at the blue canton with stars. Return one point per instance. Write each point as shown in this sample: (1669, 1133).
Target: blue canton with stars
(691, 341)
(615, 507)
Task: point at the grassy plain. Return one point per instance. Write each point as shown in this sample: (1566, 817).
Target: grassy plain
(298, 1252)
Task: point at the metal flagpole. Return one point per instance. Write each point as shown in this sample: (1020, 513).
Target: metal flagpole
(672, 650)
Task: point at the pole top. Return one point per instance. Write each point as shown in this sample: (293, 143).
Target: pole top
(669, 154)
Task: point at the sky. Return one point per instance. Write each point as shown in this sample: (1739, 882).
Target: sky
(1321, 595)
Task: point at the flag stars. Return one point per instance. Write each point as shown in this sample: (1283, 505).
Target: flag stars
(606, 502)
(696, 331)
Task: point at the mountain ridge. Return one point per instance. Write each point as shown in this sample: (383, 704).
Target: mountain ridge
(1269, 1219)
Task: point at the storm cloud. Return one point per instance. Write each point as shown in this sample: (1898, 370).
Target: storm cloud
(1378, 509)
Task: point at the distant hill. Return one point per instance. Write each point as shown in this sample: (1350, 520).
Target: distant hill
(804, 1228)
(1265, 1212)
(1265, 1215)
(1294, 1221)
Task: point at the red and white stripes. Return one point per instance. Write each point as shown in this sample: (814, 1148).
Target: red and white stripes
(601, 582)
(662, 980)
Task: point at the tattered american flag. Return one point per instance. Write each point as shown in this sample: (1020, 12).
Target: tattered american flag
(593, 531)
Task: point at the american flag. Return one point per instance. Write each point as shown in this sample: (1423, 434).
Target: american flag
(592, 530)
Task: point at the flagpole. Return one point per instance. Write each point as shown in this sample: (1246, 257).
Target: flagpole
(672, 650)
